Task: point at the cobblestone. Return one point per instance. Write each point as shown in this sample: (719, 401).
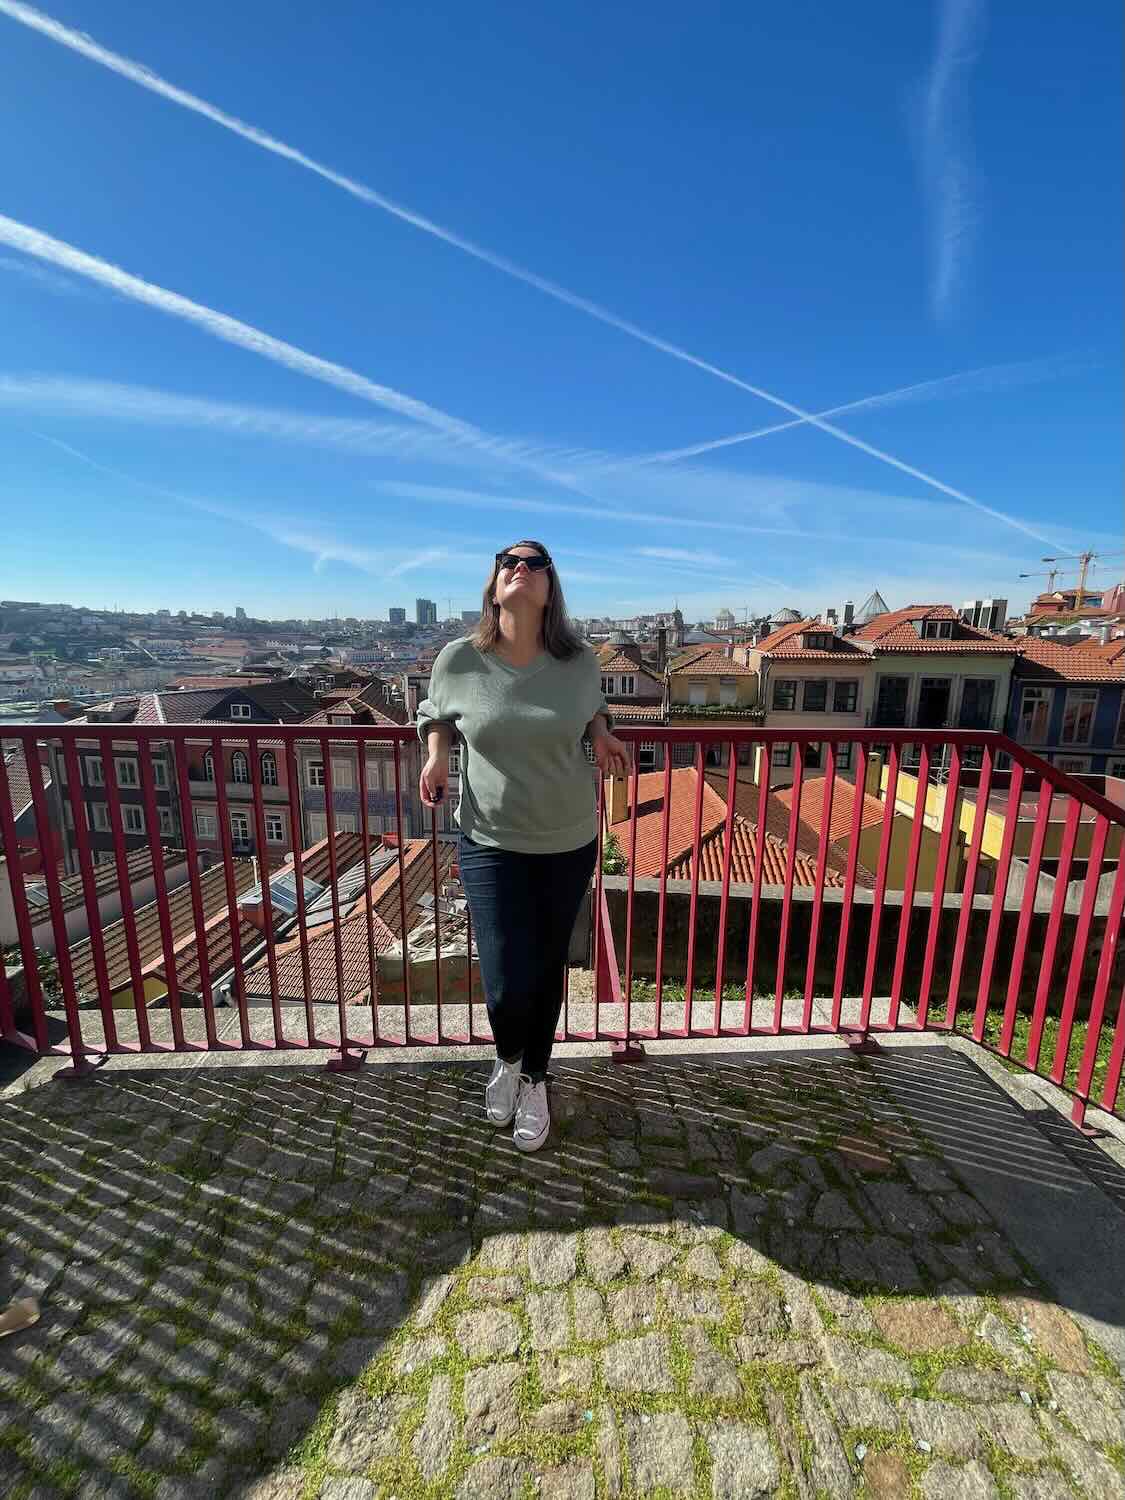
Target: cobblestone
(601, 1332)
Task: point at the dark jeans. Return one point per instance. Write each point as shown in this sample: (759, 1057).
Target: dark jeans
(523, 908)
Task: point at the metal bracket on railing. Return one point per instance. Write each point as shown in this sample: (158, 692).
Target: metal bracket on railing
(862, 1043)
(82, 1069)
(350, 1060)
(626, 1052)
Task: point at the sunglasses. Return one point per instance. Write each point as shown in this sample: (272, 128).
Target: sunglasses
(534, 564)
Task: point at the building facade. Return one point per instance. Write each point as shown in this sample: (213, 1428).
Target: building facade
(1068, 705)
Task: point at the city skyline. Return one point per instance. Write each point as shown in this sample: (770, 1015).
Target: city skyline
(806, 329)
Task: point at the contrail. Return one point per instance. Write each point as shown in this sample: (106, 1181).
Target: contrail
(137, 73)
(1031, 369)
(67, 258)
(946, 150)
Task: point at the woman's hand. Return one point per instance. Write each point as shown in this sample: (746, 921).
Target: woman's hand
(611, 754)
(434, 779)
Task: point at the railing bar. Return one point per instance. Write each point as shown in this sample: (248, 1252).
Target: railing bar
(1096, 1018)
(787, 895)
(160, 883)
(297, 841)
(1054, 928)
(951, 814)
(696, 857)
(1078, 951)
(821, 876)
(885, 838)
(333, 879)
(437, 923)
(365, 834)
(265, 873)
(764, 763)
(602, 814)
(179, 752)
(921, 802)
(999, 891)
(1116, 1058)
(25, 930)
(631, 879)
(89, 890)
(968, 890)
(665, 832)
(849, 887)
(400, 824)
(128, 913)
(227, 839)
(1027, 912)
(724, 899)
(55, 903)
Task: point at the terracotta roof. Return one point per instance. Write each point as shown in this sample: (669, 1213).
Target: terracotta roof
(138, 865)
(1081, 662)
(386, 929)
(625, 711)
(778, 818)
(843, 807)
(786, 642)
(19, 782)
(711, 663)
(213, 894)
(619, 663)
(744, 856)
(190, 684)
(894, 631)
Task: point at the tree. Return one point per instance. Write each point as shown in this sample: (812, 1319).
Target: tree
(613, 858)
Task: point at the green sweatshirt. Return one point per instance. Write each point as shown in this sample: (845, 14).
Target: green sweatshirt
(526, 782)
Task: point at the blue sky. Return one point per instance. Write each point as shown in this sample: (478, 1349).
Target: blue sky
(232, 377)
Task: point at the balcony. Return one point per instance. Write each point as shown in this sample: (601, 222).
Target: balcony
(747, 1232)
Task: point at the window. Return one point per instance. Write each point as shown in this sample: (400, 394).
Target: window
(1119, 737)
(1072, 764)
(68, 815)
(126, 771)
(343, 774)
(818, 641)
(316, 773)
(239, 768)
(98, 817)
(890, 702)
(977, 696)
(268, 765)
(240, 710)
(455, 761)
(728, 689)
(1078, 716)
(937, 630)
(275, 829)
(1035, 711)
(812, 757)
(609, 686)
(628, 686)
(95, 776)
(240, 828)
(318, 827)
(374, 779)
(133, 818)
(1115, 767)
(816, 696)
(781, 755)
(345, 823)
(205, 825)
(785, 694)
(844, 756)
(160, 774)
(646, 755)
(167, 827)
(208, 767)
(845, 699)
(697, 692)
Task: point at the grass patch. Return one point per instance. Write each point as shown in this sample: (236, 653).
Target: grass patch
(994, 1024)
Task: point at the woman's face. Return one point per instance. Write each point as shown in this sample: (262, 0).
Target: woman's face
(517, 584)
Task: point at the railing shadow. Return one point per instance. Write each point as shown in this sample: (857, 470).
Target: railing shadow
(219, 1251)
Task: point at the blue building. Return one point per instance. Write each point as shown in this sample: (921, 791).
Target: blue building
(1068, 704)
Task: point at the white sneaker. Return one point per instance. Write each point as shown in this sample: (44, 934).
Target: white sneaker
(533, 1116)
(500, 1091)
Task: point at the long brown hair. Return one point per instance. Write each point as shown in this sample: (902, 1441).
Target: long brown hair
(559, 636)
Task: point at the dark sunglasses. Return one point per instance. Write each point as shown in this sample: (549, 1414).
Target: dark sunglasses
(537, 563)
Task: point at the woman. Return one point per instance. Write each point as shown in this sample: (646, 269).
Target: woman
(520, 695)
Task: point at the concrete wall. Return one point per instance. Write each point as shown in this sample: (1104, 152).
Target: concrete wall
(677, 912)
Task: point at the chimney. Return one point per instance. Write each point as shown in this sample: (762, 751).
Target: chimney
(616, 799)
(1105, 633)
(849, 612)
(64, 706)
(830, 617)
(873, 782)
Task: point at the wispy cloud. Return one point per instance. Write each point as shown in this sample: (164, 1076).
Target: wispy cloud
(684, 555)
(49, 281)
(948, 171)
(145, 78)
(967, 382)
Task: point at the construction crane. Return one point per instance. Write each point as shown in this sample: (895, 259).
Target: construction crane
(1084, 561)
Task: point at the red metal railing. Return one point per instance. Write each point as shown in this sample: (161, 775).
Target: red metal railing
(898, 914)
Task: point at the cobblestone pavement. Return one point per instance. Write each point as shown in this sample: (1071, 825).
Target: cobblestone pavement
(724, 1279)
